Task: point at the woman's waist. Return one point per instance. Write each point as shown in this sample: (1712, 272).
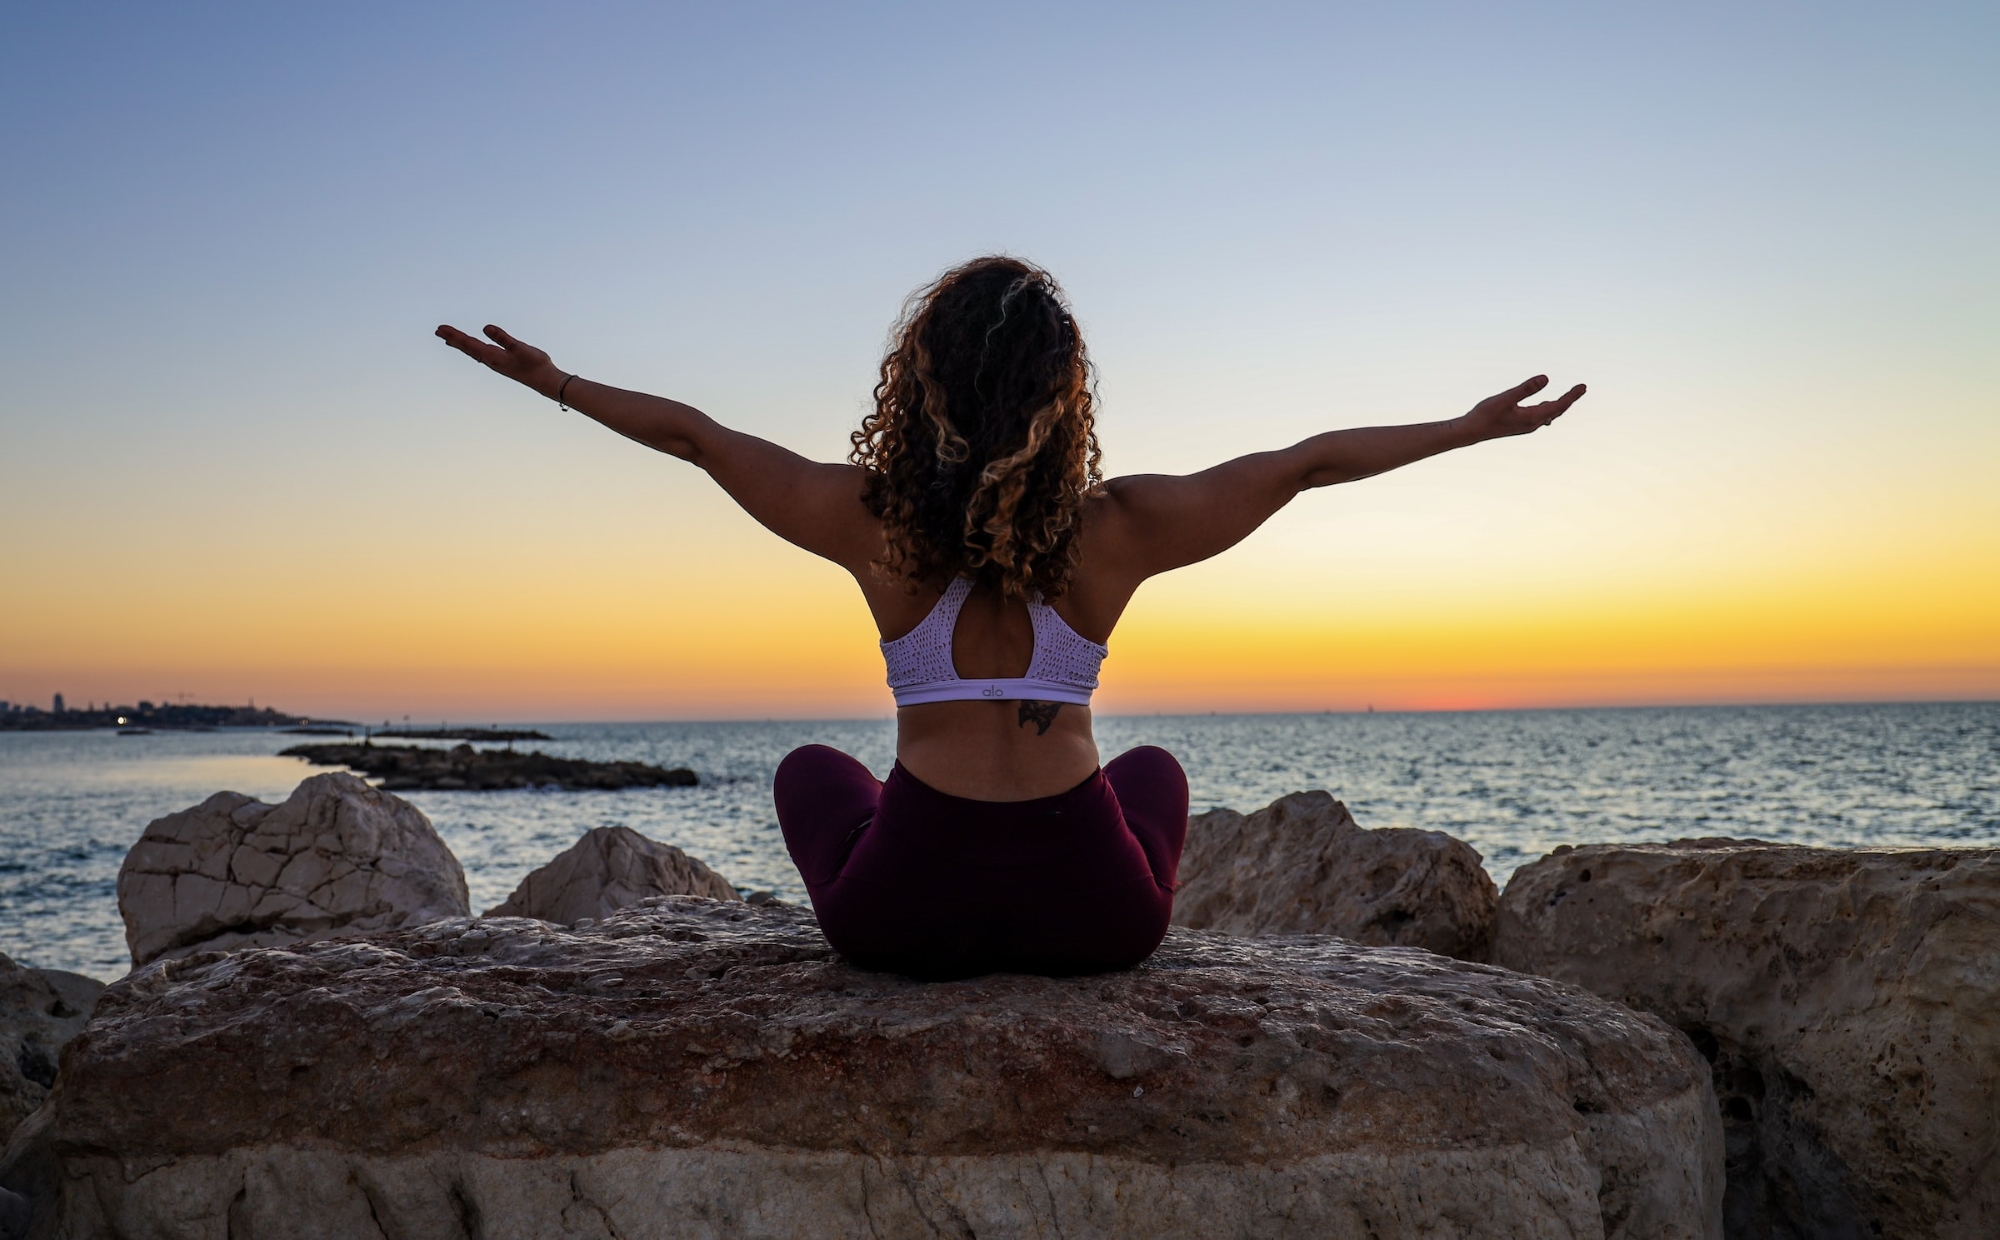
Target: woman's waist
(997, 751)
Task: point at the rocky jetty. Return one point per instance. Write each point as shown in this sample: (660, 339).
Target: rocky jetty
(608, 869)
(1848, 999)
(702, 1068)
(336, 858)
(417, 768)
(40, 1011)
(1302, 865)
(464, 734)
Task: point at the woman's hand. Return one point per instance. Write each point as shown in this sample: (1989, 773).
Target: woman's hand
(523, 363)
(1499, 416)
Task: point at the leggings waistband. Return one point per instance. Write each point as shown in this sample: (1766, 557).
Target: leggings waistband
(1013, 832)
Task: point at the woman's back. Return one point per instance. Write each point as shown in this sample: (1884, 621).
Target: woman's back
(1021, 747)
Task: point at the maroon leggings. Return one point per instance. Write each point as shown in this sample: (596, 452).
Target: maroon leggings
(909, 879)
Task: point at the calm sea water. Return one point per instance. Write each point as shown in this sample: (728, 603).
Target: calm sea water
(1513, 784)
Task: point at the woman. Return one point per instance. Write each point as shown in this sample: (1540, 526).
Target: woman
(996, 561)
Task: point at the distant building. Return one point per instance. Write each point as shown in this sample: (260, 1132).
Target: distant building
(59, 704)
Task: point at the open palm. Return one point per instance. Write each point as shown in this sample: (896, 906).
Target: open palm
(1502, 415)
(521, 362)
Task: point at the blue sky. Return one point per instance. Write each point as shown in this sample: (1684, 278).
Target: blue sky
(1761, 232)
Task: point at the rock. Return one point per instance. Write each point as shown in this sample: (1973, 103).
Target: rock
(337, 858)
(412, 768)
(1848, 999)
(40, 1011)
(608, 869)
(699, 1068)
(1302, 865)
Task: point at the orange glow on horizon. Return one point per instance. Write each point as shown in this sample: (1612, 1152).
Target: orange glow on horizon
(811, 655)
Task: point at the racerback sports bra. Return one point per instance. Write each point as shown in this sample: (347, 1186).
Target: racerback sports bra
(1064, 668)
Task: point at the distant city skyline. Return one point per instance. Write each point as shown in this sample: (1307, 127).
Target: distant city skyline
(236, 463)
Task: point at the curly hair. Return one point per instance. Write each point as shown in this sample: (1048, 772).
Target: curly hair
(983, 446)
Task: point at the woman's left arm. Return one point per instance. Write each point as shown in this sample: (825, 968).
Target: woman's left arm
(1160, 522)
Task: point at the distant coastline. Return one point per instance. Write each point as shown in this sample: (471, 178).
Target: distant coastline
(175, 716)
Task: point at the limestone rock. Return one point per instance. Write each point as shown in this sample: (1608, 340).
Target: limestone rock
(608, 869)
(1302, 865)
(336, 858)
(40, 1010)
(700, 1068)
(1849, 1000)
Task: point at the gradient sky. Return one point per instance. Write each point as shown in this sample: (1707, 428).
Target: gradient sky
(234, 464)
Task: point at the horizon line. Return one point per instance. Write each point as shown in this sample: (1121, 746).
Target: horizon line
(501, 721)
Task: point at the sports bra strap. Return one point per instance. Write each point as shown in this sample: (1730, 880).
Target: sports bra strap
(1064, 667)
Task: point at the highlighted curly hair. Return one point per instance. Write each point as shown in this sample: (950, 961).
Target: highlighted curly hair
(983, 445)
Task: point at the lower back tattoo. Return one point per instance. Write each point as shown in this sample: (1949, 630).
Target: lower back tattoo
(1041, 714)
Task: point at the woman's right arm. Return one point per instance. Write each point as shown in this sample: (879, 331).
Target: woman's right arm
(813, 505)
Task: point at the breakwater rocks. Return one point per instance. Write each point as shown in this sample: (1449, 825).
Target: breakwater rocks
(415, 768)
(1848, 999)
(465, 734)
(1712, 1038)
(702, 1068)
(1302, 865)
(336, 858)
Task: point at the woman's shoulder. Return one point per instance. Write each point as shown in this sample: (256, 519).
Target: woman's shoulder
(1108, 516)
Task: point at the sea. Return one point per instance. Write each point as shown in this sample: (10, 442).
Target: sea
(1513, 784)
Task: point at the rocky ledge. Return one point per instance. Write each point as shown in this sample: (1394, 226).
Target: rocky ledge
(417, 768)
(1848, 998)
(693, 1067)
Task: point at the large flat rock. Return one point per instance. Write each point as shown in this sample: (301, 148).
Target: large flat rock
(1850, 1000)
(699, 1068)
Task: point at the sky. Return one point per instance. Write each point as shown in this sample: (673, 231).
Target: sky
(234, 464)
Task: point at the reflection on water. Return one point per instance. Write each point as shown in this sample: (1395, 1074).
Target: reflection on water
(1514, 784)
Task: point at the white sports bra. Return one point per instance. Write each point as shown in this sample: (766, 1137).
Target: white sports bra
(1064, 667)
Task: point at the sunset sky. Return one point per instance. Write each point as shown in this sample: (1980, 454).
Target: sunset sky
(235, 464)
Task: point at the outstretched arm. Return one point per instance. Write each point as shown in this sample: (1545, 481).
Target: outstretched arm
(1160, 522)
(813, 505)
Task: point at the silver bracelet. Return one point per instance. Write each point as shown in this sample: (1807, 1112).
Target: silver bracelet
(560, 390)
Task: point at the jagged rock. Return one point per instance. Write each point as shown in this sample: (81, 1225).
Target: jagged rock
(1848, 999)
(40, 1010)
(1302, 865)
(608, 869)
(336, 858)
(692, 1067)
